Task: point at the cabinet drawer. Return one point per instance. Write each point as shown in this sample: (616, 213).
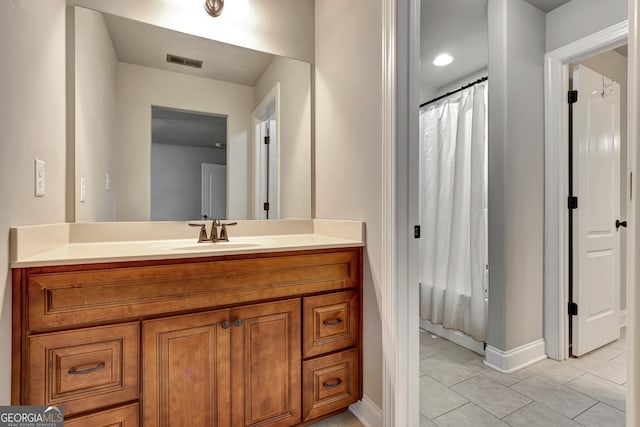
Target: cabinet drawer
(58, 298)
(126, 416)
(330, 323)
(84, 369)
(330, 383)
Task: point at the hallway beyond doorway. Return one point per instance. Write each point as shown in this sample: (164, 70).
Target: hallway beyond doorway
(457, 389)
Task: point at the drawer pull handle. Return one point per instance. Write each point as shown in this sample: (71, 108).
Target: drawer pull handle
(225, 324)
(237, 322)
(332, 322)
(76, 371)
(336, 383)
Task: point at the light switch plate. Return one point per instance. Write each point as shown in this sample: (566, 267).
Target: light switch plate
(39, 178)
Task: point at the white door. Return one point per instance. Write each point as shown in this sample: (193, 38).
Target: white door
(214, 191)
(596, 153)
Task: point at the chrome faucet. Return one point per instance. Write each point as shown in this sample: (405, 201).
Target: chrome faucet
(213, 236)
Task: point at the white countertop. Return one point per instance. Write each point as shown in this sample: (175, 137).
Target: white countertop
(86, 243)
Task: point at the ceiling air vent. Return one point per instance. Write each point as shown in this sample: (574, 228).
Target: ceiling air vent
(175, 59)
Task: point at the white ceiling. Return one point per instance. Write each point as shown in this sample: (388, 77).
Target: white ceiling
(147, 45)
(458, 27)
(547, 5)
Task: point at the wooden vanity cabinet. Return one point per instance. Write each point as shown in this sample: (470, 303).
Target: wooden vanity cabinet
(243, 340)
(227, 367)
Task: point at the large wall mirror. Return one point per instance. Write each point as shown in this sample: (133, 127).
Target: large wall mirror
(170, 126)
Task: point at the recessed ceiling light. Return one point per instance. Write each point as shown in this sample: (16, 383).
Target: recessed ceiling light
(442, 60)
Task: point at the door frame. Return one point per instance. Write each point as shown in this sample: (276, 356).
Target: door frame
(556, 214)
(260, 114)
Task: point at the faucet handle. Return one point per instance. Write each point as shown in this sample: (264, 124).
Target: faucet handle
(224, 236)
(202, 237)
(213, 236)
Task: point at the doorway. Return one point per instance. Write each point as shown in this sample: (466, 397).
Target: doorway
(266, 156)
(557, 257)
(182, 142)
(597, 218)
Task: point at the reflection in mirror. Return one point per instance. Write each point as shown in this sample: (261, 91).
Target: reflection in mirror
(188, 165)
(123, 69)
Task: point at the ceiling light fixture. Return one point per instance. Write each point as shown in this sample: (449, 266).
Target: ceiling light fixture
(442, 60)
(214, 7)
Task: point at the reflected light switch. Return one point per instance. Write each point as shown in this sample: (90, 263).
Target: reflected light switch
(83, 189)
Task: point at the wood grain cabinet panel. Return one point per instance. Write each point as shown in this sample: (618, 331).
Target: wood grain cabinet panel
(331, 323)
(186, 372)
(126, 416)
(266, 364)
(84, 369)
(330, 383)
(67, 298)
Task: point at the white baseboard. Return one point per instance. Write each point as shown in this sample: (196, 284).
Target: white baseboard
(623, 318)
(367, 412)
(518, 358)
(454, 336)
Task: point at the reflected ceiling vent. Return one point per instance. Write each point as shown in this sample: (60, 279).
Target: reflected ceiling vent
(188, 62)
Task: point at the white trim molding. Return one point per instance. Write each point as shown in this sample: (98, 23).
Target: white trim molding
(369, 414)
(556, 189)
(633, 270)
(518, 358)
(623, 318)
(392, 379)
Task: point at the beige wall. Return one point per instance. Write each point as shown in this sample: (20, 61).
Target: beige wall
(284, 27)
(614, 65)
(96, 68)
(295, 132)
(349, 145)
(32, 119)
(141, 87)
(516, 173)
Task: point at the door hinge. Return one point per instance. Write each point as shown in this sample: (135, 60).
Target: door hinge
(573, 97)
(265, 206)
(416, 231)
(267, 140)
(573, 309)
(572, 202)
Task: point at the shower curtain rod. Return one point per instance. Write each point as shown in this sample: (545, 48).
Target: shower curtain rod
(480, 80)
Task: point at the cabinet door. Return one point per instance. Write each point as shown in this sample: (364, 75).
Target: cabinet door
(186, 374)
(265, 353)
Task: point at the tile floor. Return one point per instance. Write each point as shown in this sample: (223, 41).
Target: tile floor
(344, 419)
(457, 389)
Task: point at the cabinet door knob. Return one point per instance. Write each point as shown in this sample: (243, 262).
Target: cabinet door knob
(237, 322)
(336, 383)
(225, 324)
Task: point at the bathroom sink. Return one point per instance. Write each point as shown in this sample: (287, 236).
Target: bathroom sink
(217, 246)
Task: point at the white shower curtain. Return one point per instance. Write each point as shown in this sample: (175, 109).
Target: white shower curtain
(453, 211)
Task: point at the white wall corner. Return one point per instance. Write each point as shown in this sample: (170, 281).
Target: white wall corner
(367, 412)
(517, 358)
